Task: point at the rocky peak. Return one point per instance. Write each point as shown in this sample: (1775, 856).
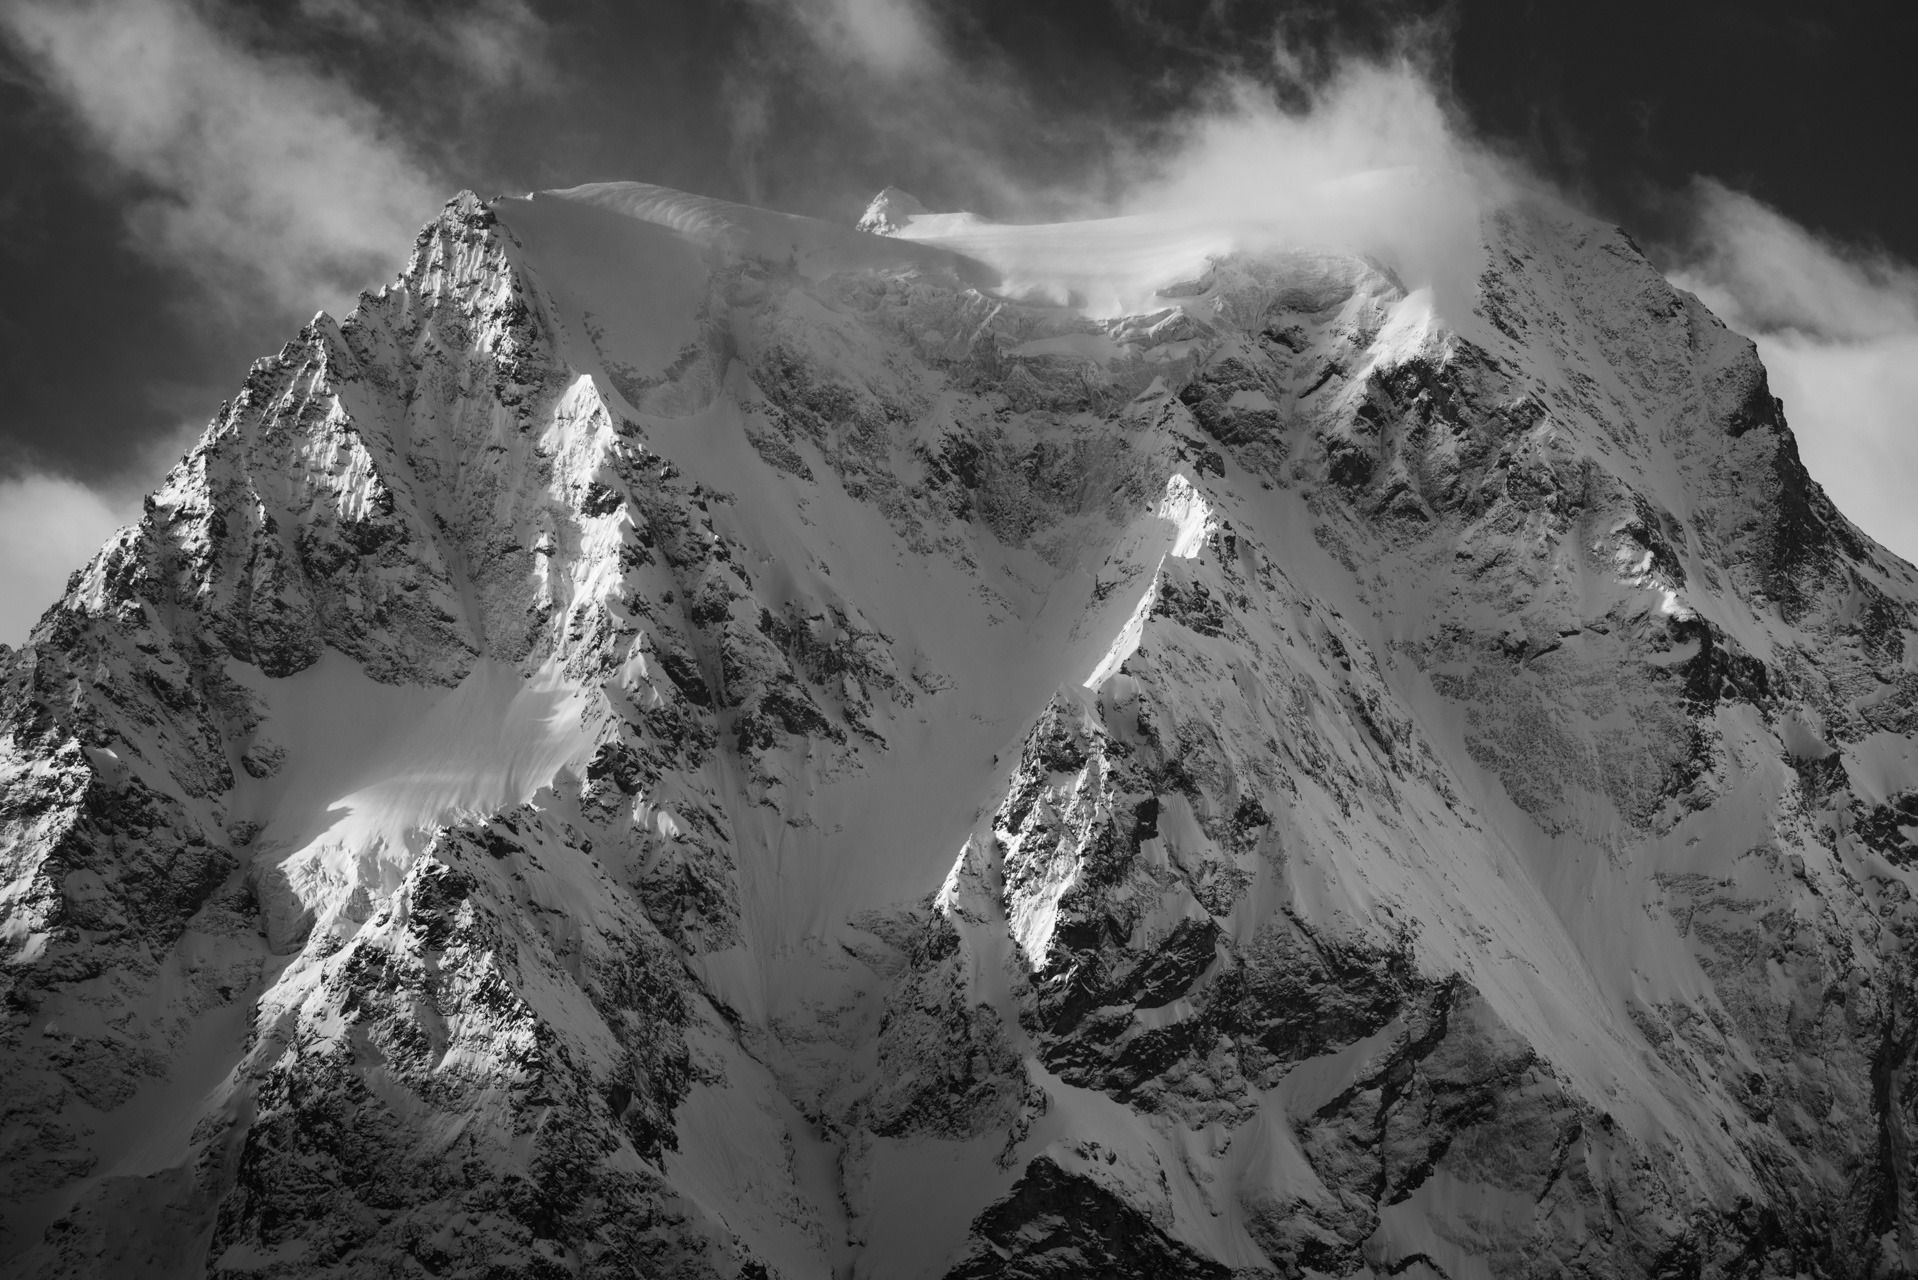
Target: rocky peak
(889, 212)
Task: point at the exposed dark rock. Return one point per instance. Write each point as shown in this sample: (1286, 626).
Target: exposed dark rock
(1055, 1224)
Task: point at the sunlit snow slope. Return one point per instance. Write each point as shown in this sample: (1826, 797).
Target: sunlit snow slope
(679, 740)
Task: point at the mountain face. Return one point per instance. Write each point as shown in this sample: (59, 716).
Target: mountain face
(680, 741)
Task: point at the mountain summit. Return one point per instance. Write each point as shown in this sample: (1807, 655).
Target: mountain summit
(889, 212)
(683, 741)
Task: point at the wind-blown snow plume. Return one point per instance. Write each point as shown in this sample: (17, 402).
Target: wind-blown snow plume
(1265, 142)
(1302, 173)
(1244, 152)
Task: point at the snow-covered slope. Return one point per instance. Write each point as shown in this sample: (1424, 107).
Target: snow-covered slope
(679, 740)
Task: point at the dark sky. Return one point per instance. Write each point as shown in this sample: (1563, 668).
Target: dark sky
(112, 338)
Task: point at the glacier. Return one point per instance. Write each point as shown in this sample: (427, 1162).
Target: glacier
(679, 740)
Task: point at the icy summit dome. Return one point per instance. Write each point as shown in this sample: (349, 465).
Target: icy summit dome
(890, 211)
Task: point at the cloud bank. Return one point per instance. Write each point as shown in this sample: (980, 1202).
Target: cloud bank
(1837, 327)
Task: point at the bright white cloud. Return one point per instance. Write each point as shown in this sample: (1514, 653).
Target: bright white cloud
(1373, 161)
(49, 527)
(266, 176)
(1780, 277)
(1243, 151)
(1838, 330)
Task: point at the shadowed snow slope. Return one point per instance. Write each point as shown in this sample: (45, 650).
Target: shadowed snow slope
(679, 740)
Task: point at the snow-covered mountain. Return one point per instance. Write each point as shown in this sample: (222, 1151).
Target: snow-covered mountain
(678, 740)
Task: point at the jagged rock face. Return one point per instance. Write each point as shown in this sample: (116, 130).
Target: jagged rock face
(678, 741)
